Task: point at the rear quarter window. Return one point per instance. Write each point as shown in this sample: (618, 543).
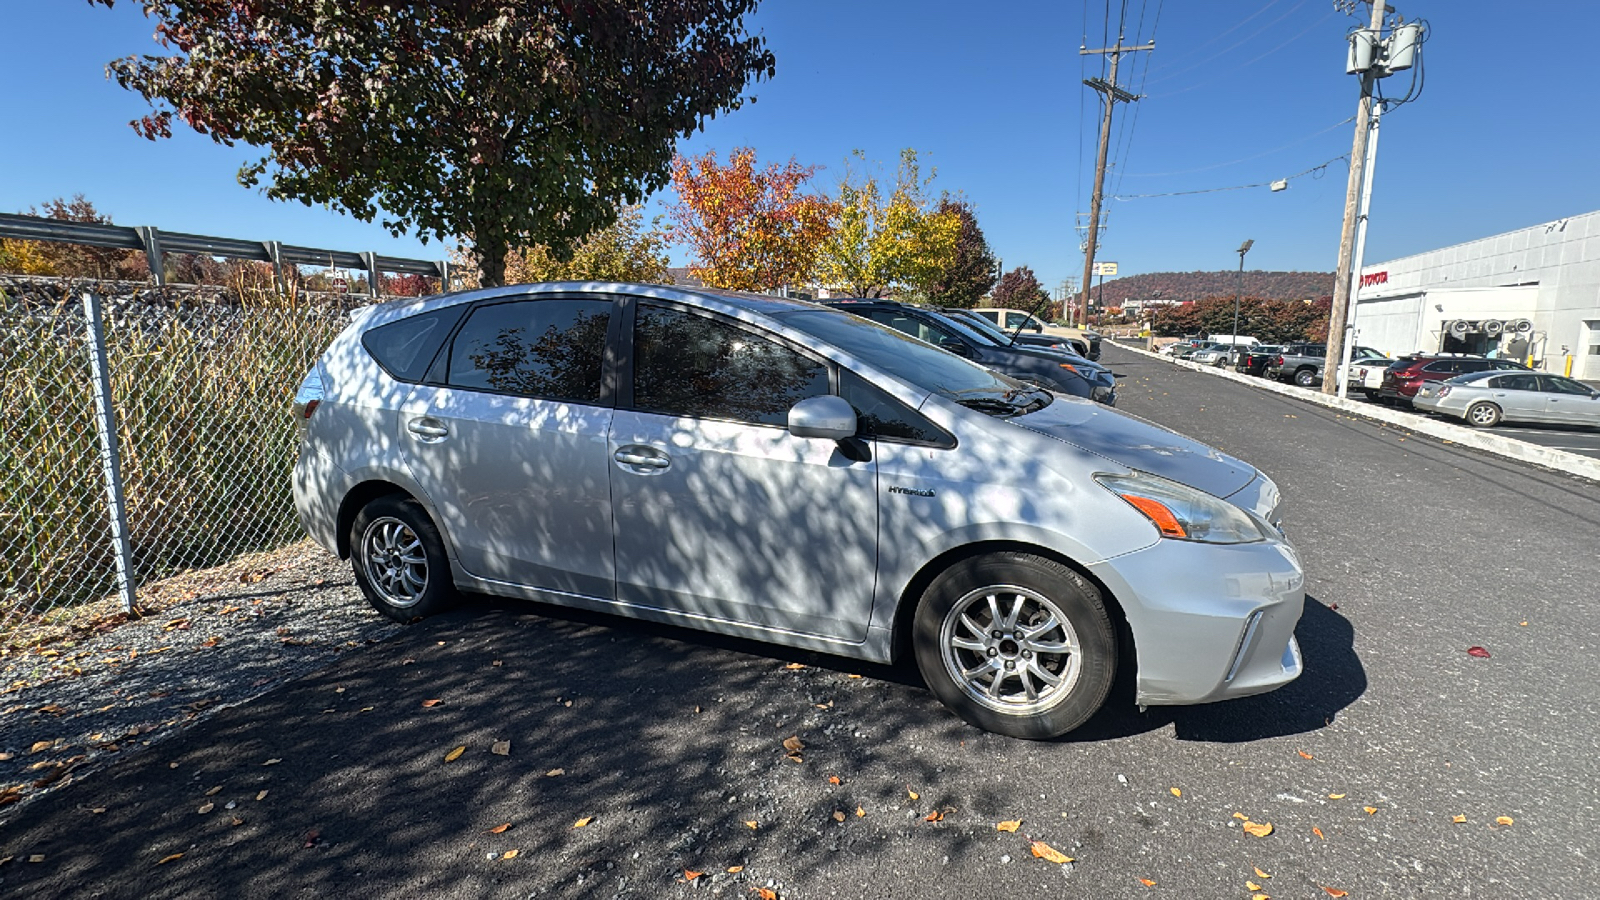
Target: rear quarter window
(405, 348)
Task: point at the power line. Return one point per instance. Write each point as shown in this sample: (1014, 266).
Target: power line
(1315, 171)
(1235, 162)
(1168, 76)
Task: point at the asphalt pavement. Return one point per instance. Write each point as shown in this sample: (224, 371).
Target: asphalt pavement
(641, 761)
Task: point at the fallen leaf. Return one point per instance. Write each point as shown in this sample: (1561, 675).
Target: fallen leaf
(262, 795)
(1334, 892)
(1147, 882)
(41, 745)
(1458, 819)
(236, 822)
(271, 762)
(751, 824)
(1335, 796)
(855, 676)
(312, 837)
(166, 859)
(765, 893)
(1259, 896)
(500, 748)
(1175, 792)
(1479, 652)
(1259, 873)
(39, 857)
(1505, 820)
(1317, 831)
(205, 808)
(214, 791)
(794, 666)
(583, 821)
(499, 829)
(912, 794)
(429, 704)
(554, 772)
(1240, 815)
(861, 813)
(98, 810)
(510, 854)
(1523, 623)
(1370, 809)
(734, 870)
(1251, 886)
(838, 815)
(1305, 754)
(1010, 825)
(455, 754)
(833, 779)
(690, 874)
(1259, 829)
(935, 816)
(828, 705)
(793, 744)
(1048, 853)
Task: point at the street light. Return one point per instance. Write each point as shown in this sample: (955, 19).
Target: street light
(1239, 289)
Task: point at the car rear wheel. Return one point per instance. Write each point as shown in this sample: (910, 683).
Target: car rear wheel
(1305, 377)
(1016, 644)
(399, 559)
(1483, 414)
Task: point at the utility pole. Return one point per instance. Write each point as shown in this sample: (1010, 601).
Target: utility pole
(1358, 166)
(1112, 94)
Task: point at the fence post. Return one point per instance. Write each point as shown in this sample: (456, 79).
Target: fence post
(275, 253)
(374, 277)
(105, 423)
(151, 237)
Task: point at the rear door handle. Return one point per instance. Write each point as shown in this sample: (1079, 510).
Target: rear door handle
(427, 427)
(643, 457)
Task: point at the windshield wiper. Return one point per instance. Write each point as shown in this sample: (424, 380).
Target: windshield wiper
(990, 405)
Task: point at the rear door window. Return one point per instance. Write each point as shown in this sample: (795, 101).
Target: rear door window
(549, 349)
(405, 348)
(696, 366)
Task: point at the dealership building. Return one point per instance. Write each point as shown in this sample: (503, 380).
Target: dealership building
(1532, 295)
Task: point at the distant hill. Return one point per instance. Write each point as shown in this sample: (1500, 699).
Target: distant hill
(1186, 286)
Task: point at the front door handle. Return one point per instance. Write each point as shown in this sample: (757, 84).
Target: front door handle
(642, 457)
(427, 427)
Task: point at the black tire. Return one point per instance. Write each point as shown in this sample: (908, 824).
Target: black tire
(1026, 592)
(1305, 377)
(1372, 396)
(399, 559)
(1483, 414)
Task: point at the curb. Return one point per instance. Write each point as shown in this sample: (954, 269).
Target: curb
(1461, 435)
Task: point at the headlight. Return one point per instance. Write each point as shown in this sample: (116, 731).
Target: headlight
(1181, 512)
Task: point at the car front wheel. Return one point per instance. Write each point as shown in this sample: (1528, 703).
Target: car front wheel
(1016, 644)
(399, 559)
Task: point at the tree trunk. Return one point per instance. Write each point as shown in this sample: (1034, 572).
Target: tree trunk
(491, 254)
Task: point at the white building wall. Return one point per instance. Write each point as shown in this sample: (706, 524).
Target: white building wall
(1555, 266)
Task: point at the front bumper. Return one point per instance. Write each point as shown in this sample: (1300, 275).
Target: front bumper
(1209, 621)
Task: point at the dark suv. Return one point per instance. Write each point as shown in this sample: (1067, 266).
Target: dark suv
(1404, 376)
(1046, 368)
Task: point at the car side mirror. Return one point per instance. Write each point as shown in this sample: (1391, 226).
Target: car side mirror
(828, 417)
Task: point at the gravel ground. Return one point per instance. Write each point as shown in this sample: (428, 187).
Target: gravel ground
(104, 686)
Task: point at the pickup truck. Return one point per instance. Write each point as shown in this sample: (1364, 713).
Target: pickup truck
(1302, 363)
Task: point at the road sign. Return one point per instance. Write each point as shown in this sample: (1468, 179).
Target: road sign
(1105, 269)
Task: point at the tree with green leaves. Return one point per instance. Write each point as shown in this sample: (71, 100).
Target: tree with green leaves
(969, 272)
(625, 250)
(891, 244)
(512, 122)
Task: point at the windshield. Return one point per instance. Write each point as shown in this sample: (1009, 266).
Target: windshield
(918, 363)
(967, 329)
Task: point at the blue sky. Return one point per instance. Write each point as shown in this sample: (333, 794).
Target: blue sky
(1505, 134)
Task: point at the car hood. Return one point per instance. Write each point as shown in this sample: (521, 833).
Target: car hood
(1141, 445)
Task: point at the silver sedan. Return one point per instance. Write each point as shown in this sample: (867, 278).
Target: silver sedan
(791, 473)
(1485, 399)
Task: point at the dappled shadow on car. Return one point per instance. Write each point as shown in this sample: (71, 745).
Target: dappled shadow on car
(1333, 678)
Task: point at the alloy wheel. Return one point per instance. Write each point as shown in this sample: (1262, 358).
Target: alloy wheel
(1010, 648)
(395, 562)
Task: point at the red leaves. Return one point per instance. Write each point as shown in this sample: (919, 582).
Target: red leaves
(1479, 652)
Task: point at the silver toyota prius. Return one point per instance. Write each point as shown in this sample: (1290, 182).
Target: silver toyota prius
(779, 470)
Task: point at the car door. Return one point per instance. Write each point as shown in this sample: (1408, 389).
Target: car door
(1519, 396)
(719, 512)
(508, 438)
(1570, 402)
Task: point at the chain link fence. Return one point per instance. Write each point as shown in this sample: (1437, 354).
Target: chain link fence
(200, 396)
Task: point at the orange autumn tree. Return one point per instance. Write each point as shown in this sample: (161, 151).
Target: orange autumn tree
(751, 228)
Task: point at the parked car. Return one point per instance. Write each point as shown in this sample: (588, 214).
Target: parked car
(1301, 363)
(1366, 376)
(785, 472)
(1177, 347)
(1253, 361)
(1013, 319)
(1486, 399)
(1098, 374)
(1211, 355)
(1404, 376)
(1047, 368)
